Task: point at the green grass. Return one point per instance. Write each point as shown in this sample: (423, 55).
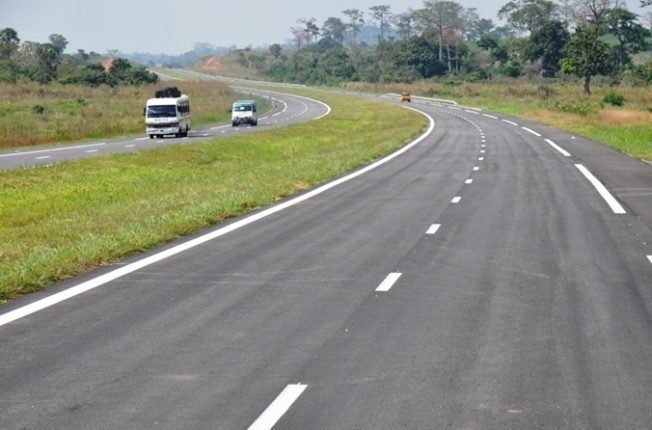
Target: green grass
(65, 219)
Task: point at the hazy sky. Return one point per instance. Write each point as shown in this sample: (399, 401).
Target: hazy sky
(174, 27)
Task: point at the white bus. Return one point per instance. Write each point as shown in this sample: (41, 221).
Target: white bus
(168, 115)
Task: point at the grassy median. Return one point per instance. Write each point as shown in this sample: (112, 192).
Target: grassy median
(65, 219)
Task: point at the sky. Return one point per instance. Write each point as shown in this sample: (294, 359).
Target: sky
(173, 27)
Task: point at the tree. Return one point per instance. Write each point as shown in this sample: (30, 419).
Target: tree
(528, 15)
(59, 42)
(9, 43)
(480, 28)
(310, 29)
(356, 21)
(587, 55)
(630, 34)
(592, 12)
(334, 28)
(442, 19)
(404, 24)
(420, 54)
(381, 14)
(547, 44)
(275, 50)
(48, 59)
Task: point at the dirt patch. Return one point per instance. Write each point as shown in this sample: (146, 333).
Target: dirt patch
(211, 63)
(626, 117)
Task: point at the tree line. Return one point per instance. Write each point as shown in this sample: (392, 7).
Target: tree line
(47, 62)
(543, 38)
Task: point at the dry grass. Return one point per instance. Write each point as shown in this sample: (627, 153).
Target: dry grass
(32, 114)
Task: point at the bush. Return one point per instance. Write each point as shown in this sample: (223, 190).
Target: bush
(613, 99)
(582, 107)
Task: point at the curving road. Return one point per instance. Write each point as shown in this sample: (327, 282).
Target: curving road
(480, 278)
(287, 109)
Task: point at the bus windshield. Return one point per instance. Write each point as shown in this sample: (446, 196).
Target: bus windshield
(162, 111)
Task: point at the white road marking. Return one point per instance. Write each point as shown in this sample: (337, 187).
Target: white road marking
(43, 157)
(649, 257)
(433, 229)
(90, 151)
(468, 181)
(489, 116)
(480, 158)
(278, 408)
(471, 111)
(129, 146)
(142, 138)
(531, 131)
(456, 199)
(482, 151)
(602, 190)
(510, 122)
(483, 146)
(205, 134)
(388, 282)
(558, 148)
(155, 258)
(455, 108)
(41, 151)
(476, 168)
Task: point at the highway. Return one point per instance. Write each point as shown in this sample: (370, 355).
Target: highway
(495, 274)
(286, 109)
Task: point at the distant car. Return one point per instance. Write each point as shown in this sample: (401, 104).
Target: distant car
(405, 97)
(244, 112)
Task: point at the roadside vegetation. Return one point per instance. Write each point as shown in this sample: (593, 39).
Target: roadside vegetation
(32, 114)
(65, 219)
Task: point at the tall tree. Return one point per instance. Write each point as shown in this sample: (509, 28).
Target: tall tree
(334, 28)
(630, 34)
(404, 23)
(548, 44)
(310, 29)
(48, 59)
(59, 42)
(442, 19)
(587, 55)
(382, 14)
(9, 43)
(593, 12)
(528, 15)
(356, 21)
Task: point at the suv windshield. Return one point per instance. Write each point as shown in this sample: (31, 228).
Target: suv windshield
(163, 111)
(242, 108)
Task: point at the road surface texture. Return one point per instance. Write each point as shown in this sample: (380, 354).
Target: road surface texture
(481, 279)
(287, 109)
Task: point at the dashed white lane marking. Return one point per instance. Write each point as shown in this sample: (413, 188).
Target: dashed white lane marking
(433, 229)
(43, 157)
(483, 146)
(142, 138)
(90, 151)
(602, 190)
(480, 158)
(649, 257)
(482, 151)
(91, 284)
(454, 108)
(278, 408)
(558, 148)
(129, 146)
(529, 130)
(205, 134)
(471, 111)
(510, 122)
(456, 199)
(388, 282)
(468, 181)
(476, 168)
(41, 151)
(489, 116)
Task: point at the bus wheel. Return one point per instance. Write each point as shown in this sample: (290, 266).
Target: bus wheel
(151, 136)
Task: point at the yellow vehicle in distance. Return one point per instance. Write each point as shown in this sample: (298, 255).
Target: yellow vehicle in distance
(405, 97)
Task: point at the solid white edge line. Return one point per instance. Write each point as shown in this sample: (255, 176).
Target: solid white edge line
(278, 407)
(388, 282)
(561, 150)
(137, 265)
(433, 229)
(529, 130)
(510, 122)
(602, 190)
(40, 151)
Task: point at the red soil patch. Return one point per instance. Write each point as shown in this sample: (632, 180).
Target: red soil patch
(211, 63)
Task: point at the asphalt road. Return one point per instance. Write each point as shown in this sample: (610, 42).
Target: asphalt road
(286, 109)
(477, 280)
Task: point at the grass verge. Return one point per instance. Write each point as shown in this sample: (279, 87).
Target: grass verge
(65, 219)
